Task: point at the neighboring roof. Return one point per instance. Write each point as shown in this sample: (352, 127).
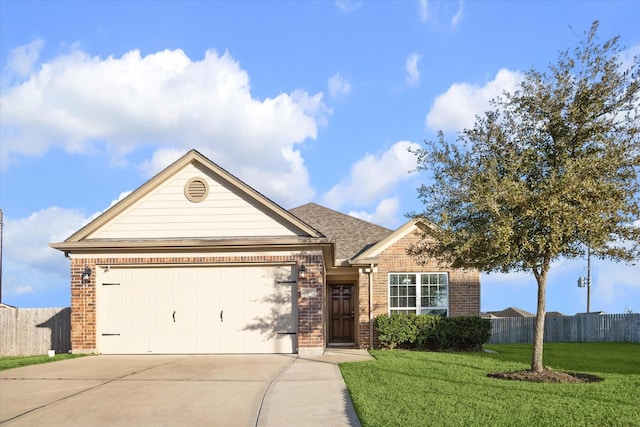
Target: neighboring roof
(554, 314)
(81, 240)
(510, 312)
(351, 235)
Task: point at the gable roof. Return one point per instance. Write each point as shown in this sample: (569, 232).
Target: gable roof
(351, 235)
(89, 236)
(371, 254)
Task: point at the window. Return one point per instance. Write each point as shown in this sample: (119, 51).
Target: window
(420, 293)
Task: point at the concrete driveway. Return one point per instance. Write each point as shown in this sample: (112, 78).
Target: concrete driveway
(208, 390)
(221, 390)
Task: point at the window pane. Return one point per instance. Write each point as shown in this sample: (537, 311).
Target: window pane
(403, 292)
(434, 312)
(433, 292)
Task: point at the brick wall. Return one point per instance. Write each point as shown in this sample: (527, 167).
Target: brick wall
(464, 285)
(83, 295)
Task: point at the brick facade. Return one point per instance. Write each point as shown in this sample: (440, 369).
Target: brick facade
(464, 291)
(464, 285)
(309, 293)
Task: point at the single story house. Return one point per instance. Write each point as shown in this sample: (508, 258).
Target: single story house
(196, 261)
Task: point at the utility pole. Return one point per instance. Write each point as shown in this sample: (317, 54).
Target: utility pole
(588, 280)
(1, 226)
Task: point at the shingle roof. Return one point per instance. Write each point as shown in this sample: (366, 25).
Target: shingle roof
(352, 235)
(512, 312)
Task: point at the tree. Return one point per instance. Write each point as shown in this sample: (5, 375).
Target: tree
(551, 170)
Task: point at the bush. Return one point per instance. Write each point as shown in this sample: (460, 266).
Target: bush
(396, 329)
(427, 331)
(423, 332)
(464, 333)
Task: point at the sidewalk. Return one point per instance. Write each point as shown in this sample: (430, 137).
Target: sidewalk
(311, 392)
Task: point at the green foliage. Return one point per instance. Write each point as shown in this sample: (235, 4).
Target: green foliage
(427, 331)
(396, 329)
(600, 358)
(551, 170)
(464, 333)
(11, 362)
(411, 388)
(423, 332)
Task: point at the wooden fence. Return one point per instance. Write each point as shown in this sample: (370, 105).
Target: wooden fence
(32, 331)
(579, 328)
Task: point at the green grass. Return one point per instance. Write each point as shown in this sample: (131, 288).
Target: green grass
(18, 361)
(407, 388)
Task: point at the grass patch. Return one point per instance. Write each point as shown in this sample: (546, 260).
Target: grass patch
(614, 358)
(412, 388)
(11, 362)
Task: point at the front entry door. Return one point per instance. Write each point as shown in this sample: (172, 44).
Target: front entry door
(341, 329)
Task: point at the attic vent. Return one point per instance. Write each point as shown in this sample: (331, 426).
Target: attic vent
(196, 190)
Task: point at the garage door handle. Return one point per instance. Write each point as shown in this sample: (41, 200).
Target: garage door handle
(174, 316)
(221, 315)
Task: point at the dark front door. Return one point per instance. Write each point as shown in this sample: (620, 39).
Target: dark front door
(341, 328)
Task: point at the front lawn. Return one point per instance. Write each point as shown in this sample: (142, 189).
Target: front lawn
(410, 388)
(10, 362)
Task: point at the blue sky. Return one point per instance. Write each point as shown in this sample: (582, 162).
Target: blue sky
(304, 101)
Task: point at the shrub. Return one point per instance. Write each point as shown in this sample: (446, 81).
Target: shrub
(396, 329)
(464, 333)
(427, 331)
(423, 332)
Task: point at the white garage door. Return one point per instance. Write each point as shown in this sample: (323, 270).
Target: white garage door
(196, 310)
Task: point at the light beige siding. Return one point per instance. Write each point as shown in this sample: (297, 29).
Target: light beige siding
(167, 213)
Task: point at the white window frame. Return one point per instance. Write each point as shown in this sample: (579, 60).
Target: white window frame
(418, 309)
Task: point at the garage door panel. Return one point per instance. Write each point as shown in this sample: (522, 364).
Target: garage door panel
(256, 305)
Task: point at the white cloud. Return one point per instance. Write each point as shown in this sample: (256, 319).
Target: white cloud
(613, 285)
(457, 108)
(78, 103)
(23, 58)
(385, 214)
(160, 159)
(374, 176)
(627, 56)
(423, 10)
(22, 290)
(26, 240)
(348, 5)
(458, 16)
(411, 66)
(338, 86)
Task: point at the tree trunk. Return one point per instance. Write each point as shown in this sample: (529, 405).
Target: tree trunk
(538, 338)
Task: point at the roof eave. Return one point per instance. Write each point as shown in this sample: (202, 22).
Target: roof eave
(109, 245)
(364, 261)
